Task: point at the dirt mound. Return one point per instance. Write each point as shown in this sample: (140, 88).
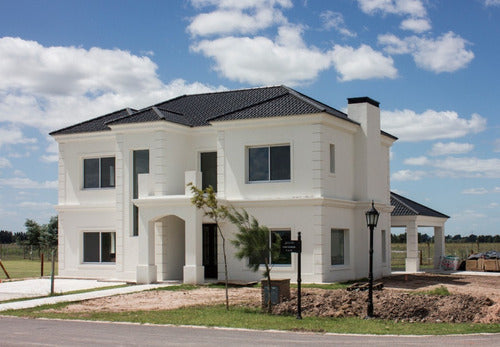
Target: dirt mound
(394, 305)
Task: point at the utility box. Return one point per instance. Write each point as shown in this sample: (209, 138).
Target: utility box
(280, 291)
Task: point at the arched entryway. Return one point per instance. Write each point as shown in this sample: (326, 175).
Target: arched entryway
(170, 246)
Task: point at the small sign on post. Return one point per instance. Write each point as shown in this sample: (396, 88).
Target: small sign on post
(295, 246)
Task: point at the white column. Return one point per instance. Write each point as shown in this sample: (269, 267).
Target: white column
(194, 271)
(221, 159)
(438, 245)
(412, 259)
(146, 268)
(158, 226)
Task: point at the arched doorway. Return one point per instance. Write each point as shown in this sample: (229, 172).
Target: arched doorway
(170, 245)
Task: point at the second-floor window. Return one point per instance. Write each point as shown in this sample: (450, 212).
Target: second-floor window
(269, 163)
(99, 172)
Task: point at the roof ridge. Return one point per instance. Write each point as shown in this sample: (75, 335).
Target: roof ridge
(129, 110)
(170, 111)
(248, 106)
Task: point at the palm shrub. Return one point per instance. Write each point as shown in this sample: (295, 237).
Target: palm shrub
(253, 241)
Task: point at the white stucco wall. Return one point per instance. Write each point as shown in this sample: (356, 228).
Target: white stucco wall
(314, 200)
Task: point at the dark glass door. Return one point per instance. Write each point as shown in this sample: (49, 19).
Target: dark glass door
(209, 170)
(210, 250)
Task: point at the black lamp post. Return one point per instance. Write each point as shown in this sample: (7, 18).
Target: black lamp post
(371, 221)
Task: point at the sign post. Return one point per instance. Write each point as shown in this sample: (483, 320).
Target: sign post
(295, 246)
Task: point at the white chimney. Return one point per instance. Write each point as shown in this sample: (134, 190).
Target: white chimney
(368, 160)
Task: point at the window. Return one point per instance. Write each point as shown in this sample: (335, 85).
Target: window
(384, 248)
(99, 172)
(99, 247)
(269, 163)
(332, 158)
(339, 247)
(140, 166)
(284, 258)
(208, 167)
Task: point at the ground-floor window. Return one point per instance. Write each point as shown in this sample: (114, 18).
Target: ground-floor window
(339, 247)
(99, 247)
(284, 258)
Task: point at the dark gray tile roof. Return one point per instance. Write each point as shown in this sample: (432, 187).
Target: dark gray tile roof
(406, 207)
(200, 109)
(96, 124)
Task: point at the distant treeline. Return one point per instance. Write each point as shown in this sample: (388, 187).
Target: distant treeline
(401, 238)
(10, 237)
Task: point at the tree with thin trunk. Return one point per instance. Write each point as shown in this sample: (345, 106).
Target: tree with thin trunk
(254, 242)
(206, 200)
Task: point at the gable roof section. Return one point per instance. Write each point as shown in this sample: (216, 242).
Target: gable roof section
(96, 124)
(200, 109)
(406, 207)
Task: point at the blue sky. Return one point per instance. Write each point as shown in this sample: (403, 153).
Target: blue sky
(433, 65)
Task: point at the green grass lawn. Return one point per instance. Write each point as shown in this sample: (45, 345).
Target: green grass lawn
(253, 318)
(23, 268)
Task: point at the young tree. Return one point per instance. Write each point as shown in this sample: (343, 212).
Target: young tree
(254, 242)
(49, 233)
(206, 200)
(33, 233)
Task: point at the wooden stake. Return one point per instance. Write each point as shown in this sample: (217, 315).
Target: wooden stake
(3, 268)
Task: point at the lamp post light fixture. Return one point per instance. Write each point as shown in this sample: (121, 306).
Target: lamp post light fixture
(371, 221)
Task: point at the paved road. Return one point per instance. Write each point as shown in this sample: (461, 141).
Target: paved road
(41, 332)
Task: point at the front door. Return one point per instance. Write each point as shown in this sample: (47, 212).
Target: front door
(210, 250)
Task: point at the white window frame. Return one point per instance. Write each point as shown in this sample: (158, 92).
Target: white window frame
(100, 247)
(99, 172)
(247, 152)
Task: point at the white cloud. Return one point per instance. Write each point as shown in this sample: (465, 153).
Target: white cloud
(335, 20)
(407, 175)
(85, 83)
(496, 190)
(492, 2)
(475, 191)
(446, 53)
(287, 60)
(417, 161)
(26, 183)
(35, 205)
(410, 126)
(493, 205)
(468, 167)
(59, 81)
(10, 135)
(362, 63)
(468, 214)
(418, 25)
(413, 8)
(231, 20)
(4, 162)
(451, 148)
(458, 167)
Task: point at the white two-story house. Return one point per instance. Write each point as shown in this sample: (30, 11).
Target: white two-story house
(294, 163)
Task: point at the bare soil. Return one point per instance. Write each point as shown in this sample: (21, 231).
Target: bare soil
(472, 299)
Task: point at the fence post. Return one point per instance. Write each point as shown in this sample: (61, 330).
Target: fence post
(52, 274)
(41, 265)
